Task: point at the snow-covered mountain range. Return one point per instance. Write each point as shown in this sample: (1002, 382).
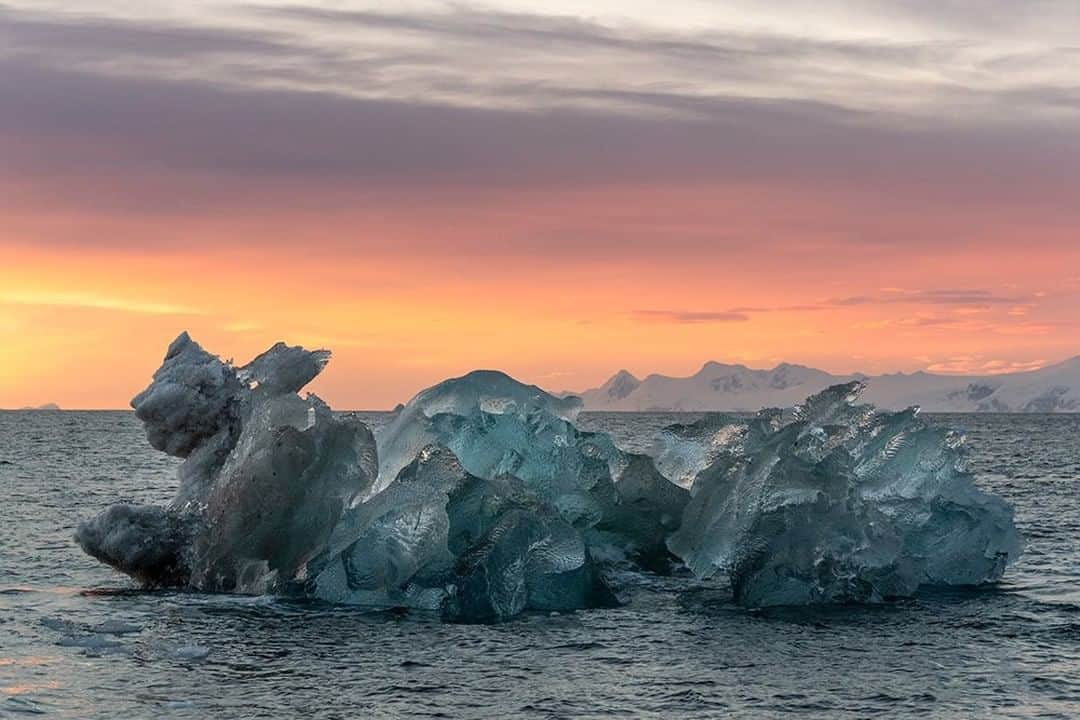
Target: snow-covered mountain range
(717, 386)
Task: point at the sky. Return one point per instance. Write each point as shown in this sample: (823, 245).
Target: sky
(558, 190)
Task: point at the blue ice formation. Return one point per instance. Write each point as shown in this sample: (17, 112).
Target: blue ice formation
(476, 549)
(481, 499)
(832, 501)
(498, 428)
(490, 502)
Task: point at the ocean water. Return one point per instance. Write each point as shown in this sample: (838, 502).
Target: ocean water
(80, 641)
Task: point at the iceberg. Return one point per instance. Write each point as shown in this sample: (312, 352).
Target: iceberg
(481, 499)
(832, 501)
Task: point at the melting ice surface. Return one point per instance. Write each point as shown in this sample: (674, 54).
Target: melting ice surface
(483, 500)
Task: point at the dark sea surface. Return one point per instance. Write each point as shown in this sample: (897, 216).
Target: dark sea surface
(79, 641)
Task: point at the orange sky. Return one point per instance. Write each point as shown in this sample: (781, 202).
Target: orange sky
(559, 197)
(458, 287)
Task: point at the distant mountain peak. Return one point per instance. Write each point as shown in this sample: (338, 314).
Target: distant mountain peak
(621, 385)
(732, 387)
(788, 367)
(712, 366)
(46, 406)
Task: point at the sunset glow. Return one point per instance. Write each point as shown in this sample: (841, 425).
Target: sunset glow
(282, 177)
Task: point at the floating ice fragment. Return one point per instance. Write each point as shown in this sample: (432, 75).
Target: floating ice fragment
(116, 627)
(193, 653)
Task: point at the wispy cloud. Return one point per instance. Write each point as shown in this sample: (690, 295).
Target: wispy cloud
(688, 317)
(562, 57)
(461, 96)
(91, 38)
(965, 297)
(960, 302)
(463, 55)
(90, 301)
(980, 365)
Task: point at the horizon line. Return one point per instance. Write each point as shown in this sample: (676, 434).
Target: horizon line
(564, 393)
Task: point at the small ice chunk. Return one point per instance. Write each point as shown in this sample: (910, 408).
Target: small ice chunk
(192, 653)
(116, 627)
